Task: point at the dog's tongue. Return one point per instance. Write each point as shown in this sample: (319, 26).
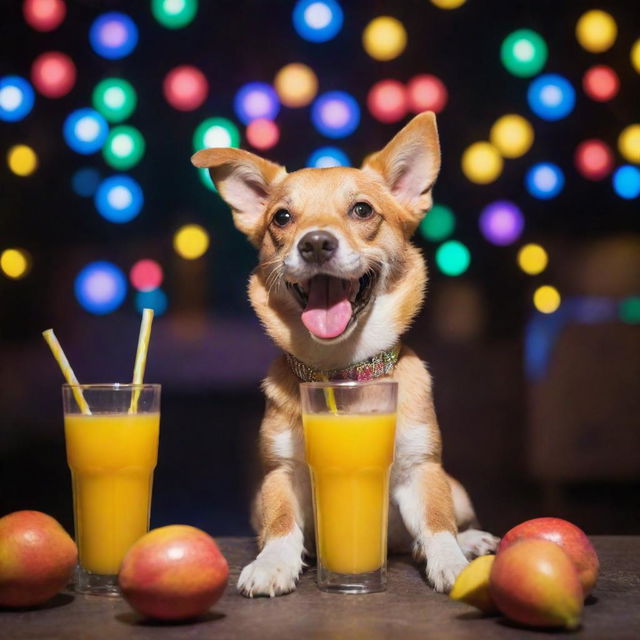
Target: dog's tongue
(328, 308)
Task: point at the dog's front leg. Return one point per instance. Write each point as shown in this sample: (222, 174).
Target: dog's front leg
(276, 569)
(426, 507)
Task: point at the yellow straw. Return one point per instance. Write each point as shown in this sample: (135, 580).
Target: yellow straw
(330, 398)
(67, 371)
(141, 355)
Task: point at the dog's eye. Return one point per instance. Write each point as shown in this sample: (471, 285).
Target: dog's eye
(282, 218)
(362, 210)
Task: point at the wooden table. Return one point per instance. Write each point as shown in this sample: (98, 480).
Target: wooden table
(409, 609)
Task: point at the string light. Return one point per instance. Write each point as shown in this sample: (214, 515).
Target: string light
(146, 275)
(53, 74)
(387, 100)
(448, 4)
(100, 287)
(124, 147)
(155, 299)
(115, 99)
(626, 182)
(216, 132)
(384, 38)
(16, 98)
(119, 199)
(532, 259)
(524, 53)
(317, 20)
(546, 299)
(191, 241)
(481, 163)
(296, 85)
(262, 133)
(544, 180)
(601, 83)
(453, 258)
(438, 224)
(256, 100)
(15, 263)
(596, 31)
(113, 35)
(174, 14)
(501, 222)
(629, 310)
(85, 131)
(512, 135)
(328, 157)
(635, 55)
(335, 114)
(551, 97)
(629, 143)
(426, 92)
(22, 160)
(85, 181)
(593, 159)
(185, 88)
(44, 15)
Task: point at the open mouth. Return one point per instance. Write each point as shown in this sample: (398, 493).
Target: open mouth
(330, 304)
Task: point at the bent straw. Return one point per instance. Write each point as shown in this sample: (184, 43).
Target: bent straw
(67, 371)
(141, 356)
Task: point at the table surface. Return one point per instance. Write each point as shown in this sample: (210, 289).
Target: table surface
(408, 609)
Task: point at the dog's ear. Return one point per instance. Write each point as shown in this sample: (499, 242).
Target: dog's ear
(409, 166)
(244, 181)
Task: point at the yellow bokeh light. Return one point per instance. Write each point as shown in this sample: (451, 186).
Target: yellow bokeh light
(596, 31)
(22, 160)
(629, 143)
(532, 259)
(191, 241)
(15, 263)
(512, 135)
(546, 299)
(296, 85)
(482, 163)
(635, 55)
(448, 4)
(384, 38)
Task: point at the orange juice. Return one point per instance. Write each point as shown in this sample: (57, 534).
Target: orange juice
(112, 458)
(350, 458)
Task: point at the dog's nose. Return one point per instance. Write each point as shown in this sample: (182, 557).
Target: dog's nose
(317, 246)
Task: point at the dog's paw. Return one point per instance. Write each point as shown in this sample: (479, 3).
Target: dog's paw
(445, 561)
(276, 569)
(474, 543)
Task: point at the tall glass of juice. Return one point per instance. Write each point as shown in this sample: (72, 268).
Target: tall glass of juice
(112, 452)
(349, 432)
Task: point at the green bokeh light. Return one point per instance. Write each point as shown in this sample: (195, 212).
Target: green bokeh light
(205, 178)
(438, 224)
(629, 310)
(524, 53)
(115, 99)
(216, 132)
(453, 258)
(174, 14)
(124, 147)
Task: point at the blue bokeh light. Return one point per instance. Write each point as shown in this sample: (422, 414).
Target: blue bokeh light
(256, 100)
(335, 114)
(16, 98)
(113, 35)
(544, 180)
(100, 287)
(85, 181)
(119, 198)
(155, 299)
(626, 182)
(85, 131)
(551, 97)
(317, 20)
(328, 157)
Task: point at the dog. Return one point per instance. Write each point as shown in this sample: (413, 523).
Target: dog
(337, 284)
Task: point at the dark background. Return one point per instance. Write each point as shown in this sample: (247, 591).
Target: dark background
(564, 442)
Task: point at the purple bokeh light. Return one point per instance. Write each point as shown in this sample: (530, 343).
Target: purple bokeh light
(256, 100)
(501, 222)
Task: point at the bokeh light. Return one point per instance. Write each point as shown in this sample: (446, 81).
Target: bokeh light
(22, 160)
(124, 147)
(296, 85)
(384, 38)
(15, 263)
(438, 224)
(482, 163)
(44, 15)
(335, 114)
(85, 181)
(453, 258)
(546, 299)
(100, 287)
(115, 99)
(85, 131)
(601, 83)
(185, 88)
(635, 55)
(524, 53)
(328, 157)
(626, 181)
(593, 159)
(119, 198)
(512, 135)
(448, 4)
(596, 31)
(113, 35)
(532, 259)
(205, 178)
(387, 100)
(146, 275)
(155, 299)
(53, 74)
(262, 133)
(551, 97)
(501, 222)
(256, 100)
(426, 92)
(216, 132)
(16, 98)
(174, 14)
(191, 241)
(629, 310)
(629, 143)
(544, 180)
(317, 20)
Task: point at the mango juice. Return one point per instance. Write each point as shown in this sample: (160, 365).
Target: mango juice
(112, 458)
(350, 459)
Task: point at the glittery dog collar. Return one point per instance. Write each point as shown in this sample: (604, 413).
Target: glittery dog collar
(379, 365)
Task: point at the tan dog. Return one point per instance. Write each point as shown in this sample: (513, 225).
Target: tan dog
(337, 284)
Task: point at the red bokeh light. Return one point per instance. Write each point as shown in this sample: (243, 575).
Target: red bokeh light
(185, 88)
(44, 15)
(425, 92)
(262, 133)
(146, 275)
(387, 101)
(593, 159)
(53, 74)
(601, 83)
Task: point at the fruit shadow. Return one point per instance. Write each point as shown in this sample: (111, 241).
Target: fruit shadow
(541, 630)
(135, 620)
(59, 600)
